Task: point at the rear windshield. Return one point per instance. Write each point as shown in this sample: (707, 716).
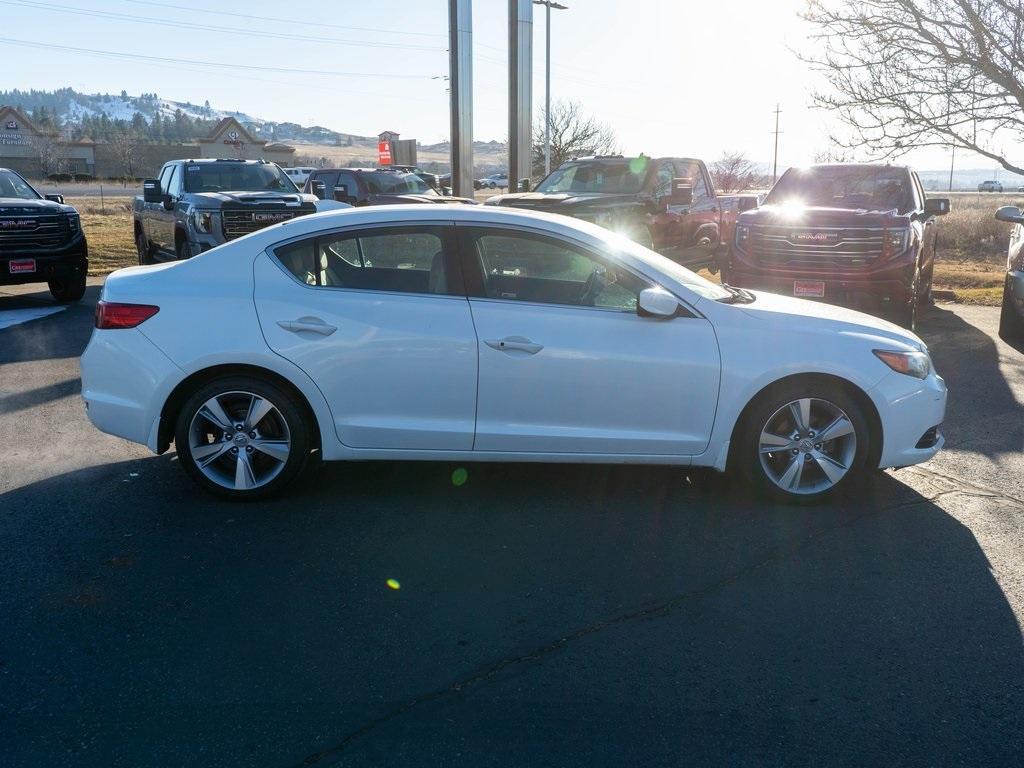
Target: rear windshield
(236, 177)
(868, 188)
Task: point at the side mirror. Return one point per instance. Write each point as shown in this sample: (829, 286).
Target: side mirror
(341, 193)
(524, 185)
(938, 206)
(319, 188)
(55, 198)
(656, 302)
(1010, 213)
(681, 194)
(168, 203)
(746, 203)
(151, 192)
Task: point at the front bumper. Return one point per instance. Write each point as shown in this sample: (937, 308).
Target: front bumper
(66, 261)
(909, 410)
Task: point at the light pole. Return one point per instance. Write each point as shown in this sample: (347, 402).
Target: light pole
(548, 5)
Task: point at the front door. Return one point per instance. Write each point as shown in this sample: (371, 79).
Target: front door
(377, 317)
(567, 365)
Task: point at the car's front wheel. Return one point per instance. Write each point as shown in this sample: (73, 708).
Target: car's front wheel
(242, 437)
(803, 441)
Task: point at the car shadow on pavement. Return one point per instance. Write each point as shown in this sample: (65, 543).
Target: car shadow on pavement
(982, 413)
(495, 615)
(50, 337)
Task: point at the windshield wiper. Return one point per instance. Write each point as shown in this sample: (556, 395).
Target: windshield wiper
(736, 295)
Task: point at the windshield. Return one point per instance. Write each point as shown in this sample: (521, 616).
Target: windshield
(389, 183)
(693, 281)
(857, 187)
(12, 185)
(618, 177)
(236, 177)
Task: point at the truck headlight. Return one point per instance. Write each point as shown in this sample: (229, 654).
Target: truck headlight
(894, 241)
(202, 221)
(916, 364)
(742, 236)
(74, 222)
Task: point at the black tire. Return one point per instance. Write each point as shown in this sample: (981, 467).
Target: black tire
(299, 430)
(746, 458)
(925, 298)
(1011, 321)
(182, 251)
(66, 291)
(143, 248)
(905, 315)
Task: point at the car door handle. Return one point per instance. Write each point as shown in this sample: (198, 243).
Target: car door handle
(514, 344)
(311, 324)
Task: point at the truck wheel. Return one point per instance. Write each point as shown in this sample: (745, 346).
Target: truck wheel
(802, 441)
(67, 290)
(1011, 321)
(906, 313)
(242, 437)
(142, 246)
(182, 250)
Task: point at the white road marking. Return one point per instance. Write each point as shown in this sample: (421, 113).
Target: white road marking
(9, 317)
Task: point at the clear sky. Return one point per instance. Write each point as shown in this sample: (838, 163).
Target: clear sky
(671, 77)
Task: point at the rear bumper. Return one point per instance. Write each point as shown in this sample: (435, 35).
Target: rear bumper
(125, 381)
(70, 260)
(909, 409)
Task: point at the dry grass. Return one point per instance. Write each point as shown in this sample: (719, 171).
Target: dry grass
(108, 228)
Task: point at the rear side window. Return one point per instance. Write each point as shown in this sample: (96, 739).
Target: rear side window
(400, 259)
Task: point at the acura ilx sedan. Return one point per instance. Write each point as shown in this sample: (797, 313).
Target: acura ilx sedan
(483, 334)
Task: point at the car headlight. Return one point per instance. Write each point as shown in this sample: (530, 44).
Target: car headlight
(202, 221)
(916, 364)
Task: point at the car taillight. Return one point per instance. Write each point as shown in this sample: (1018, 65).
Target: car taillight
(110, 315)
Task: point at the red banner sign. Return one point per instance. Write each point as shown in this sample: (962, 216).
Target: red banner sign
(384, 152)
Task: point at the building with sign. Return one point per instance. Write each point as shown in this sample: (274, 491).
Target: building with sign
(36, 153)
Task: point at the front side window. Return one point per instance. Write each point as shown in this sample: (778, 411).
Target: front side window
(406, 260)
(533, 268)
(691, 170)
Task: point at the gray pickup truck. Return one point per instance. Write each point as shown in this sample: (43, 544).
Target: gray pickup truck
(196, 205)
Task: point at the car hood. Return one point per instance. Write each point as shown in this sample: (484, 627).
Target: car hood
(215, 199)
(561, 200)
(821, 216)
(774, 310)
(419, 199)
(16, 206)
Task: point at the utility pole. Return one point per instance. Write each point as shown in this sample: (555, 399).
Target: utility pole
(548, 5)
(775, 160)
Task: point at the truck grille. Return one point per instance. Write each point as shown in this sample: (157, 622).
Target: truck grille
(238, 222)
(810, 247)
(28, 231)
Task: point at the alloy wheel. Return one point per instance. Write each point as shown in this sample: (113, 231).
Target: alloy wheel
(807, 446)
(239, 440)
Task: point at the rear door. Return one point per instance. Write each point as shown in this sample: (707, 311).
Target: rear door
(378, 318)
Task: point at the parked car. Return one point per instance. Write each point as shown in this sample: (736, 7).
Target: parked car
(196, 205)
(298, 175)
(432, 180)
(494, 181)
(41, 240)
(494, 335)
(990, 186)
(667, 204)
(374, 186)
(851, 234)
(1011, 316)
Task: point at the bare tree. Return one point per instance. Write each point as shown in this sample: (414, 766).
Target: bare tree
(733, 172)
(573, 134)
(907, 74)
(125, 147)
(50, 154)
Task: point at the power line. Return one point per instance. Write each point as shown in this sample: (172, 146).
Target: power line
(208, 28)
(197, 62)
(278, 20)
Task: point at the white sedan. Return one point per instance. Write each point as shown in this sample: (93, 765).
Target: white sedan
(482, 334)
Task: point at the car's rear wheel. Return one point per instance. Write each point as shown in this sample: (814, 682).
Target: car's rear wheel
(803, 441)
(242, 437)
(67, 290)
(1011, 322)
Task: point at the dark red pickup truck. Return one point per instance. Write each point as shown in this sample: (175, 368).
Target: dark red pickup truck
(853, 234)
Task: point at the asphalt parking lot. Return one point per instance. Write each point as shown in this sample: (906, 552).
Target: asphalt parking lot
(546, 615)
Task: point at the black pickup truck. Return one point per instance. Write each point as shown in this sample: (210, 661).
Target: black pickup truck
(668, 204)
(41, 240)
(196, 205)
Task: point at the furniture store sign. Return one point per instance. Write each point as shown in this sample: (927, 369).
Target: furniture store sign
(13, 136)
